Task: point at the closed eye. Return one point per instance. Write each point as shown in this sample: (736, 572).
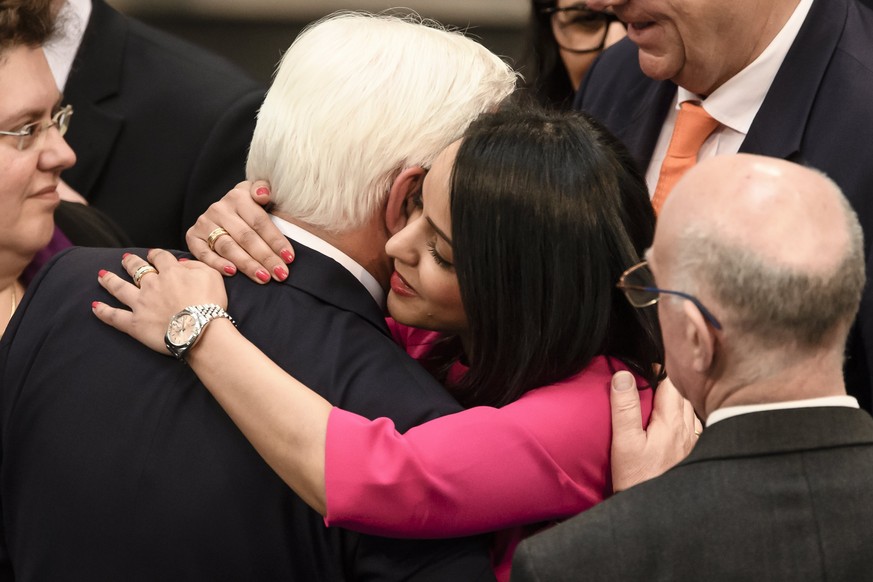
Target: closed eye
(439, 260)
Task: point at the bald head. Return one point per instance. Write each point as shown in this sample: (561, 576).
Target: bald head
(771, 247)
(781, 212)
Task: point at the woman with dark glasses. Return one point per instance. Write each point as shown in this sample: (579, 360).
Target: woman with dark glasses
(564, 38)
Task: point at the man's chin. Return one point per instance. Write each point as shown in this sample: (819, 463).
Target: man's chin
(659, 67)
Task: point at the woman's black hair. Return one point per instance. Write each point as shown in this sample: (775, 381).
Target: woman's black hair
(547, 211)
(545, 76)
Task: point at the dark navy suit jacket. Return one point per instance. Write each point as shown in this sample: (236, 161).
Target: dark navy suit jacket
(161, 128)
(784, 496)
(117, 464)
(818, 112)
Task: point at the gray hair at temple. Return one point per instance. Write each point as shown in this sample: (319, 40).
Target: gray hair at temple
(359, 97)
(770, 304)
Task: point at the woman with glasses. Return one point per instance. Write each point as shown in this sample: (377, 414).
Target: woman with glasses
(564, 38)
(32, 150)
(33, 154)
(505, 289)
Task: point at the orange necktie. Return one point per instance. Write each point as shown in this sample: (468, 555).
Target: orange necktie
(693, 126)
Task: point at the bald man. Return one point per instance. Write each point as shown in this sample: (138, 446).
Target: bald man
(755, 306)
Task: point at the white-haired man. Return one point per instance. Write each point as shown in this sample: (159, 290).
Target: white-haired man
(755, 307)
(118, 465)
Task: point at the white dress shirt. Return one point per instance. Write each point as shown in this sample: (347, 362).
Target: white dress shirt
(305, 237)
(61, 50)
(735, 103)
(729, 411)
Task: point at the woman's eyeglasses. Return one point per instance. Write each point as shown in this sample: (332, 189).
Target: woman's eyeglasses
(28, 135)
(578, 29)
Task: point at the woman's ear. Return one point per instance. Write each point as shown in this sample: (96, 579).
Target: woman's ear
(407, 183)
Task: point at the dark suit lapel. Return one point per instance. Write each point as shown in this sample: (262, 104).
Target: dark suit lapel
(783, 431)
(95, 77)
(324, 278)
(651, 108)
(780, 123)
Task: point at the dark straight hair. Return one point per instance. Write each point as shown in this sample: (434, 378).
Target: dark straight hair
(547, 211)
(545, 75)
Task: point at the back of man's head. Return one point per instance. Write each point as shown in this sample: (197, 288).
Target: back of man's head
(359, 97)
(774, 250)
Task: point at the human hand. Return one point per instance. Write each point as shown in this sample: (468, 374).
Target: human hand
(640, 454)
(254, 245)
(163, 292)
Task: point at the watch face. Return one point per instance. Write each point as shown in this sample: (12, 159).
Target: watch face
(182, 328)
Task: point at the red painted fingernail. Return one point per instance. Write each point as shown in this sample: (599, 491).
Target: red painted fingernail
(230, 269)
(94, 304)
(262, 191)
(101, 272)
(124, 256)
(281, 273)
(287, 256)
(262, 275)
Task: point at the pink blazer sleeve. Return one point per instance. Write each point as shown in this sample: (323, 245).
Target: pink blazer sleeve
(543, 457)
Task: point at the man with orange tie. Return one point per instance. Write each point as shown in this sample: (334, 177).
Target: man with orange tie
(791, 79)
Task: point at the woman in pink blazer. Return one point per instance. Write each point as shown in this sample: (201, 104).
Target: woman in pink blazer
(510, 261)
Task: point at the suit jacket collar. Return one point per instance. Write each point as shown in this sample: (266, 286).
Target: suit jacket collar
(788, 98)
(794, 89)
(648, 103)
(320, 276)
(94, 78)
(783, 431)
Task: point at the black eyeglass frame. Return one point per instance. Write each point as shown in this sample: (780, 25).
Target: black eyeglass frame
(625, 287)
(606, 17)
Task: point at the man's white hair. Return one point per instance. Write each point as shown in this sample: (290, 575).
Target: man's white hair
(357, 98)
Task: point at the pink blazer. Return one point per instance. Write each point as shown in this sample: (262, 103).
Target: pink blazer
(542, 458)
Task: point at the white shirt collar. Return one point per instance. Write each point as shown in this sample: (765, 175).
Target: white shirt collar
(729, 411)
(305, 237)
(735, 103)
(60, 51)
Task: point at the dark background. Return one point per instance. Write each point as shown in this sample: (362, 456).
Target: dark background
(257, 41)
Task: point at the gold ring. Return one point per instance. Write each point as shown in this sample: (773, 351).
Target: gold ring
(142, 272)
(213, 236)
(697, 433)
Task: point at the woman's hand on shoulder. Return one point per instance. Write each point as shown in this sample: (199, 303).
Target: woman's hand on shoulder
(166, 286)
(638, 453)
(236, 234)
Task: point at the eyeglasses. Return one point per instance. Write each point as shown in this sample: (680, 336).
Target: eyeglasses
(578, 29)
(638, 286)
(28, 135)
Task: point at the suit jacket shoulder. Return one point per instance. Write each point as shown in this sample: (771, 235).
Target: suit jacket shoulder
(783, 495)
(118, 464)
(161, 127)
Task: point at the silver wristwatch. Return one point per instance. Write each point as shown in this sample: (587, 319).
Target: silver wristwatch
(186, 327)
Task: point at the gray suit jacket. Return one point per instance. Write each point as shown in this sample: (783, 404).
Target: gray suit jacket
(783, 495)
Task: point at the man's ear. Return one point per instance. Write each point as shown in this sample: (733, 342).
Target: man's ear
(699, 337)
(407, 183)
